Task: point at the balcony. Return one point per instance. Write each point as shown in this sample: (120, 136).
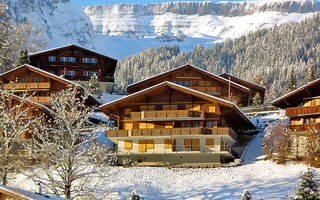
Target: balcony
(40, 99)
(87, 78)
(299, 111)
(304, 127)
(172, 131)
(30, 85)
(167, 115)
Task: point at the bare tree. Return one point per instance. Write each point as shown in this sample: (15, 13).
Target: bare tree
(277, 143)
(64, 147)
(15, 120)
(312, 148)
(15, 36)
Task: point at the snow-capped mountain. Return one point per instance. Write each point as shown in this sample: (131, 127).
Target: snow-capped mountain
(124, 29)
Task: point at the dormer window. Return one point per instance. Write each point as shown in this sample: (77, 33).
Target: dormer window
(52, 58)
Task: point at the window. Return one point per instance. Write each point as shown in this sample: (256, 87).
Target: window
(187, 83)
(87, 74)
(145, 144)
(175, 82)
(71, 59)
(128, 144)
(212, 108)
(85, 60)
(52, 58)
(142, 125)
(64, 59)
(22, 80)
(167, 144)
(36, 79)
(209, 143)
(306, 121)
(128, 126)
(168, 125)
(192, 124)
(180, 82)
(150, 144)
(93, 60)
(94, 73)
(192, 144)
(68, 73)
(210, 124)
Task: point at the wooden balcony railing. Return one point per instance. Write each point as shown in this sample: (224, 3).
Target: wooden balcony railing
(166, 114)
(40, 99)
(172, 131)
(87, 78)
(30, 85)
(302, 110)
(304, 127)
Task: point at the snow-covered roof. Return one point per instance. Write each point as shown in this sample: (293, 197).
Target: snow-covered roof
(294, 91)
(69, 45)
(249, 82)
(51, 75)
(32, 102)
(26, 194)
(202, 70)
(185, 88)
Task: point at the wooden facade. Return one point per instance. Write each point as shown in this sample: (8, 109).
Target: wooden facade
(171, 124)
(303, 109)
(34, 110)
(40, 84)
(200, 80)
(254, 88)
(75, 63)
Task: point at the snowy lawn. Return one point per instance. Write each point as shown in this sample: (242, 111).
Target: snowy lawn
(263, 179)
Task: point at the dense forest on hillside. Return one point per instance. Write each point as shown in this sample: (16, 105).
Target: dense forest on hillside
(269, 53)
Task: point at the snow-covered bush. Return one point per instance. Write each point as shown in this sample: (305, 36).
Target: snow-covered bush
(128, 161)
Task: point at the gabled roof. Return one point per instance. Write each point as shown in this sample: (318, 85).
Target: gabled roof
(20, 194)
(294, 98)
(129, 98)
(68, 46)
(49, 75)
(226, 75)
(198, 70)
(32, 103)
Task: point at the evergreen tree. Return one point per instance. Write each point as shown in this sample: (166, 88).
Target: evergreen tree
(246, 196)
(311, 71)
(93, 86)
(292, 82)
(308, 188)
(257, 100)
(23, 57)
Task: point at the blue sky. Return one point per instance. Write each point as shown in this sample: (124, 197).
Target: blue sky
(106, 2)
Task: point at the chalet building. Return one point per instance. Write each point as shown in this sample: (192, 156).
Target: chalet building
(254, 88)
(34, 110)
(40, 83)
(11, 193)
(198, 79)
(170, 124)
(303, 108)
(77, 64)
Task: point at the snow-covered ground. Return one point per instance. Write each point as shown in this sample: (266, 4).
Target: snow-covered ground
(263, 179)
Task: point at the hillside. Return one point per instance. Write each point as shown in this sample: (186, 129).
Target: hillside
(270, 53)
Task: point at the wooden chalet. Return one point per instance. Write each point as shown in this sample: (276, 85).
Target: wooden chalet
(77, 64)
(198, 79)
(254, 88)
(169, 124)
(303, 108)
(34, 110)
(11, 193)
(40, 83)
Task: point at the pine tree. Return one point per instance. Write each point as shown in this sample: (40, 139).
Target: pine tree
(308, 188)
(311, 71)
(93, 86)
(23, 57)
(246, 196)
(257, 100)
(292, 82)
